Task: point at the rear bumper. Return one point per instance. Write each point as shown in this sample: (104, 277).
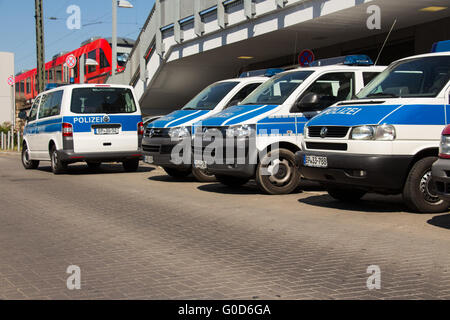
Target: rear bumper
(441, 177)
(382, 173)
(71, 157)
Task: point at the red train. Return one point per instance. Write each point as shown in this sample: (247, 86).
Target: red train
(98, 55)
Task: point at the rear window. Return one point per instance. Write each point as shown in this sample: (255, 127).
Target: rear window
(102, 100)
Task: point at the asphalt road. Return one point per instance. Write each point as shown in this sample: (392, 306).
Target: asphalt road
(147, 236)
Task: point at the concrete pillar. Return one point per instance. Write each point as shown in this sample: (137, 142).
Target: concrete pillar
(159, 40)
(178, 33)
(249, 9)
(199, 28)
(222, 16)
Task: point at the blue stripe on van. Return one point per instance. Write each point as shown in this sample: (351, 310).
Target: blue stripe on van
(84, 123)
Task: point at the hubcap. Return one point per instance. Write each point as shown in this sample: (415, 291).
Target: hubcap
(26, 157)
(426, 189)
(54, 159)
(280, 172)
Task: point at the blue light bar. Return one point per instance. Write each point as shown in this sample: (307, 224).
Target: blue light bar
(441, 46)
(351, 60)
(261, 73)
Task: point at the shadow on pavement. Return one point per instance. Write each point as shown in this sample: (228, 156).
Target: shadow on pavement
(82, 169)
(442, 221)
(369, 205)
(248, 188)
(167, 178)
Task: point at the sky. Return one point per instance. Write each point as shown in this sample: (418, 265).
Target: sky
(17, 26)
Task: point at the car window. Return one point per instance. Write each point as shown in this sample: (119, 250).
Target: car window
(102, 100)
(210, 97)
(277, 89)
(368, 76)
(51, 104)
(333, 87)
(243, 93)
(34, 109)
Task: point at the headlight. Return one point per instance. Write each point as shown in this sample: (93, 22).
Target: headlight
(240, 131)
(444, 146)
(179, 133)
(378, 132)
(305, 131)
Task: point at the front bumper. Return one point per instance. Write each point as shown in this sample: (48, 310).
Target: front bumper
(381, 173)
(441, 178)
(161, 151)
(239, 161)
(70, 156)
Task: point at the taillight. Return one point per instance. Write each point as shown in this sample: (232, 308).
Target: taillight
(67, 130)
(141, 128)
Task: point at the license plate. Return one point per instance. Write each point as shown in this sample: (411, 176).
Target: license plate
(148, 159)
(103, 131)
(315, 161)
(200, 164)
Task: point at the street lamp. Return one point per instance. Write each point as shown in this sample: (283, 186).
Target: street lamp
(120, 4)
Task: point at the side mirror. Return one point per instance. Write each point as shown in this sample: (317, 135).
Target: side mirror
(314, 102)
(23, 115)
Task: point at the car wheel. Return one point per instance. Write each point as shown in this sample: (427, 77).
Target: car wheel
(177, 173)
(203, 175)
(346, 194)
(231, 181)
(26, 162)
(278, 176)
(418, 192)
(131, 165)
(58, 166)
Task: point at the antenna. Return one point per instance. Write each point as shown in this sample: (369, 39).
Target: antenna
(385, 40)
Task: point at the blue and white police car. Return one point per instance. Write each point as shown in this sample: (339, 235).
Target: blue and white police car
(83, 123)
(163, 134)
(273, 117)
(387, 139)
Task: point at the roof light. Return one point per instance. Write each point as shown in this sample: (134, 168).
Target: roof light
(245, 57)
(261, 72)
(433, 9)
(441, 46)
(351, 60)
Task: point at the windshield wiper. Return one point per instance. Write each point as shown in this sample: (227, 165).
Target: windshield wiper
(381, 94)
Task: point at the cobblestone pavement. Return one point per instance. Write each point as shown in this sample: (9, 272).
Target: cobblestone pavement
(146, 236)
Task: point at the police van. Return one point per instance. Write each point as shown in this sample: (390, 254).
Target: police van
(83, 123)
(273, 117)
(163, 134)
(386, 139)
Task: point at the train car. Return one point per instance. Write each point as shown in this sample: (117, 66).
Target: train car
(98, 53)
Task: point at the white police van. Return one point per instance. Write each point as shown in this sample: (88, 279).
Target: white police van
(274, 115)
(163, 134)
(387, 139)
(83, 123)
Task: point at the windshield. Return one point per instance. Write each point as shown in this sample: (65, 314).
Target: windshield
(102, 100)
(277, 89)
(420, 77)
(210, 97)
(122, 58)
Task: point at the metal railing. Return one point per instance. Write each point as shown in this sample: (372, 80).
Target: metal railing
(11, 141)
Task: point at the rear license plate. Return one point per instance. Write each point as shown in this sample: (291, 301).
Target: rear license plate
(200, 164)
(104, 131)
(315, 161)
(148, 159)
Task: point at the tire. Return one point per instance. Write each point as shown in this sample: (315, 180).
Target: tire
(131, 165)
(418, 193)
(177, 173)
(94, 165)
(283, 176)
(231, 181)
(346, 194)
(203, 175)
(58, 166)
(26, 162)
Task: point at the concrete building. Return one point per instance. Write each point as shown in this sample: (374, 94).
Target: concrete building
(187, 44)
(7, 104)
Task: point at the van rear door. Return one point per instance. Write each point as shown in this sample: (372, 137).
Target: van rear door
(105, 119)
